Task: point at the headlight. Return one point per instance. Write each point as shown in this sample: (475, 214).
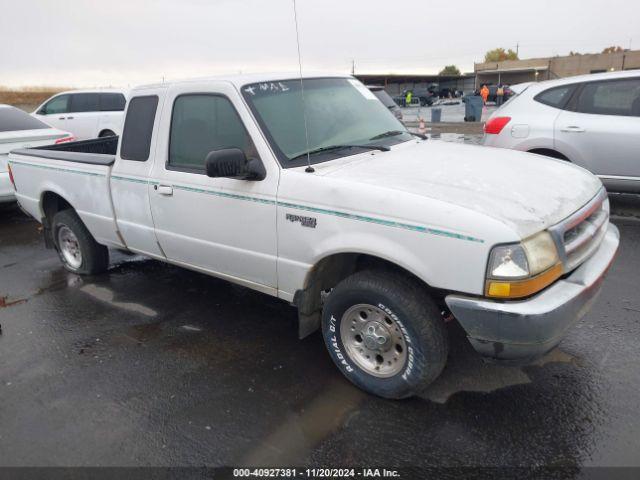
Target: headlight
(521, 269)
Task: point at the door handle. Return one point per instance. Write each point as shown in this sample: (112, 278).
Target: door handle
(572, 128)
(60, 118)
(69, 118)
(166, 190)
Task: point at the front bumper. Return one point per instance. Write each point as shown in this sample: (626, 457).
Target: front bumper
(6, 189)
(521, 331)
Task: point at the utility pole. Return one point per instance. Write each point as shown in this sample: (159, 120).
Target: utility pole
(517, 49)
(353, 67)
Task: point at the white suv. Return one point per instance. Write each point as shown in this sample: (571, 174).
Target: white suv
(85, 113)
(592, 121)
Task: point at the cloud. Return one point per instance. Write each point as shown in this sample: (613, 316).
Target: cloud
(82, 42)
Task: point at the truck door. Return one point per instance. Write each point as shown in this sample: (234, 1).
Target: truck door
(130, 182)
(223, 226)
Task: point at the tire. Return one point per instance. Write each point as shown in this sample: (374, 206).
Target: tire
(106, 133)
(412, 324)
(70, 235)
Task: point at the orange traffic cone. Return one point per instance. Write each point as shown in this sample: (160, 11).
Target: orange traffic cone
(422, 128)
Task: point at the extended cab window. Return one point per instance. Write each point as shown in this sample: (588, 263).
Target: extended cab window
(84, 102)
(202, 123)
(612, 97)
(112, 102)
(555, 97)
(138, 128)
(59, 104)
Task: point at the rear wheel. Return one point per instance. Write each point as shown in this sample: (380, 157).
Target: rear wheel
(78, 250)
(106, 133)
(385, 333)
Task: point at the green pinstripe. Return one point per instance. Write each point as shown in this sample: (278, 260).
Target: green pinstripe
(58, 169)
(234, 196)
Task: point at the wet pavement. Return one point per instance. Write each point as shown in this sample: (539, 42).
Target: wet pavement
(150, 364)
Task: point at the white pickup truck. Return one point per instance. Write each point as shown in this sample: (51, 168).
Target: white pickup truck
(320, 197)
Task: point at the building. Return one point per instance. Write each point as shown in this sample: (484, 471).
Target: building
(511, 72)
(395, 84)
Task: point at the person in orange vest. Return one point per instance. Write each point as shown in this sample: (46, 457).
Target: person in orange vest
(484, 93)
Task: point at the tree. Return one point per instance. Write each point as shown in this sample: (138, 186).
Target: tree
(613, 49)
(450, 70)
(574, 54)
(500, 55)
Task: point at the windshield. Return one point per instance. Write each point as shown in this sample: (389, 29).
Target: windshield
(12, 119)
(339, 111)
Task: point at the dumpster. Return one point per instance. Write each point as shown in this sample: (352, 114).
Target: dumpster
(436, 115)
(473, 108)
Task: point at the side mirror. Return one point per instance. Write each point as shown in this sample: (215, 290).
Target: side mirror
(232, 163)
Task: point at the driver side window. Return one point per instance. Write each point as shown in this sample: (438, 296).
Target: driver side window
(201, 123)
(59, 104)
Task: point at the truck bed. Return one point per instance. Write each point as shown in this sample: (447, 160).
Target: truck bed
(99, 151)
(77, 172)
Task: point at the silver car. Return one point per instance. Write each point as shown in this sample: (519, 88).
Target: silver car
(592, 121)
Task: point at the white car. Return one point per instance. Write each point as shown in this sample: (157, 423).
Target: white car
(592, 121)
(19, 130)
(370, 231)
(85, 113)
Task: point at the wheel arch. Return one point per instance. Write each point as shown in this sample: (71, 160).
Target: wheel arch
(549, 152)
(51, 202)
(107, 130)
(330, 270)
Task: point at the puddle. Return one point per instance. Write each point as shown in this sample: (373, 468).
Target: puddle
(302, 431)
(470, 139)
(472, 374)
(105, 295)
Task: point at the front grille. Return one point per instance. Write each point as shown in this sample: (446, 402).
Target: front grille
(579, 236)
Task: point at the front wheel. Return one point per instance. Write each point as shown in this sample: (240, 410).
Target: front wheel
(385, 333)
(77, 248)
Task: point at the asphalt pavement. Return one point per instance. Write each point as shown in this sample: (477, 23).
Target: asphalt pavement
(451, 113)
(150, 364)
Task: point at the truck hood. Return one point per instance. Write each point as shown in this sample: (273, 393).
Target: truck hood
(526, 192)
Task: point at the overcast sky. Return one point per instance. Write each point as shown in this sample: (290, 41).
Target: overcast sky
(126, 42)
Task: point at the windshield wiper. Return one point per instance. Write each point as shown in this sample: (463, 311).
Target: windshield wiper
(340, 147)
(393, 133)
(390, 133)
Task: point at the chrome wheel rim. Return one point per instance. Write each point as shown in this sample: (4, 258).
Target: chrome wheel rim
(373, 340)
(69, 247)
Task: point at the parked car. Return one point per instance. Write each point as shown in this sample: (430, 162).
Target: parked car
(386, 100)
(85, 113)
(427, 96)
(423, 97)
(19, 130)
(333, 206)
(493, 93)
(592, 121)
